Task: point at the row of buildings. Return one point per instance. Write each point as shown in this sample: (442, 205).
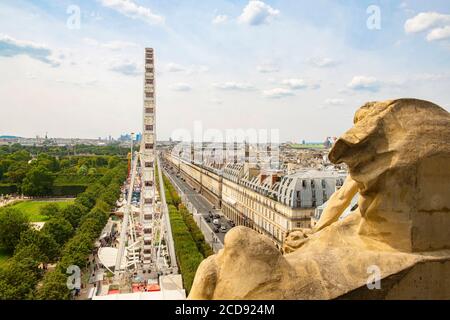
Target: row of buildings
(61, 142)
(270, 200)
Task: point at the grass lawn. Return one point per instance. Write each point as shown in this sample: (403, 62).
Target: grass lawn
(3, 256)
(32, 208)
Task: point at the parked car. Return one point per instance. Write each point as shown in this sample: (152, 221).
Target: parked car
(231, 223)
(216, 216)
(223, 228)
(210, 215)
(208, 219)
(216, 229)
(216, 222)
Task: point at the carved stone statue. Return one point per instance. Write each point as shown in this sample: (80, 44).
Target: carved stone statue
(398, 154)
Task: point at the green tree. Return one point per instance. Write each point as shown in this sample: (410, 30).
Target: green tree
(30, 251)
(101, 161)
(76, 251)
(38, 182)
(112, 162)
(12, 223)
(83, 170)
(87, 198)
(73, 213)
(17, 171)
(59, 228)
(50, 210)
(21, 155)
(15, 147)
(19, 276)
(4, 166)
(54, 287)
(65, 163)
(49, 162)
(44, 241)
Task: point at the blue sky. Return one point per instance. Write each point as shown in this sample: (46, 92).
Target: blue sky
(302, 67)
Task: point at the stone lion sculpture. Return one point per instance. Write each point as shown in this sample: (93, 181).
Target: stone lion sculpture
(398, 154)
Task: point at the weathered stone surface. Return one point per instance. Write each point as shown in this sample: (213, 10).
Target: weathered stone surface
(398, 154)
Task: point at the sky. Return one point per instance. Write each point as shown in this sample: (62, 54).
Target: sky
(302, 68)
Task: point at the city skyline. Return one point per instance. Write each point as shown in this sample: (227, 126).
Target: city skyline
(301, 68)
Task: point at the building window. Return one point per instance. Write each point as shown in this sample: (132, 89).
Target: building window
(149, 94)
(149, 164)
(148, 183)
(148, 201)
(149, 110)
(149, 127)
(149, 146)
(149, 81)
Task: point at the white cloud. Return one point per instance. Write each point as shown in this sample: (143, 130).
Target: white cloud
(257, 12)
(78, 83)
(404, 6)
(322, 62)
(96, 16)
(334, 102)
(267, 68)
(91, 42)
(277, 93)
(436, 24)
(200, 69)
(234, 86)
(125, 67)
(295, 83)
(181, 86)
(117, 45)
(111, 45)
(134, 11)
(426, 77)
(11, 47)
(30, 76)
(425, 21)
(439, 34)
(173, 67)
(216, 101)
(220, 19)
(364, 83)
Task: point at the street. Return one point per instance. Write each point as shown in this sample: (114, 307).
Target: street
(202, 206)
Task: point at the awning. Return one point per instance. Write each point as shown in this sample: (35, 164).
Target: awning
(107, 257)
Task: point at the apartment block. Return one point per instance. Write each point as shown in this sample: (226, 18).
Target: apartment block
(270, 201)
